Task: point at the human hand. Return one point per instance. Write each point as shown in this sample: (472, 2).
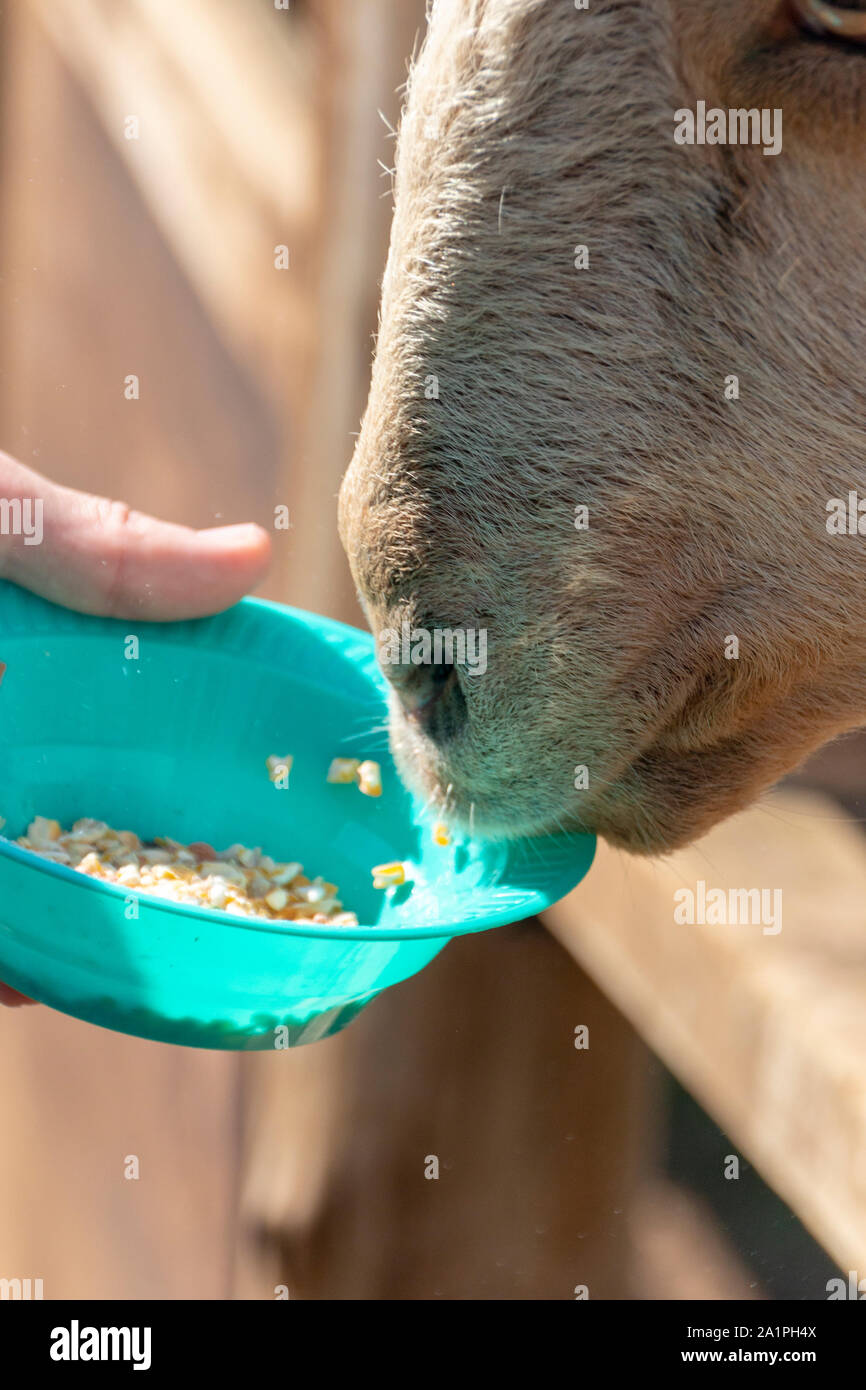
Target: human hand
(99, 557)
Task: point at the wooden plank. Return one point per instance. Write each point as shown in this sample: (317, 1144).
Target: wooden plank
(363, 65)
(227, 148)
(88, 292)
(472, 1063)
(767, 1030)
(77, 1104)
(680, 1252)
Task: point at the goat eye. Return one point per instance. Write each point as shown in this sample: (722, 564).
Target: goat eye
(840, 21)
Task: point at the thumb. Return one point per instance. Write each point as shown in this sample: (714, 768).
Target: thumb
(98, 556)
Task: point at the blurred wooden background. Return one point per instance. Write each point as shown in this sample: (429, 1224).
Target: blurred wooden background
(258, 128)
(155, 256)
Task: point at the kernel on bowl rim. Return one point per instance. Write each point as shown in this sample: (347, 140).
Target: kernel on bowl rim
(174, 744)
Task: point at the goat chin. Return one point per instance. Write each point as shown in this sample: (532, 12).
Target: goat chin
(616, 411)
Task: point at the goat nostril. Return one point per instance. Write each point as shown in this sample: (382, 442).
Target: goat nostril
(419, 688)
(440, 675)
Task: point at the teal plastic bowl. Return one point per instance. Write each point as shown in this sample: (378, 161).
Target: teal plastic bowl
(172, 740)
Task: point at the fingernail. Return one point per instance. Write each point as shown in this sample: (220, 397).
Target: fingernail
(243, 535)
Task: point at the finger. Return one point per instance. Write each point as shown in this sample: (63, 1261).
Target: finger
(100, 557)
(11, 998)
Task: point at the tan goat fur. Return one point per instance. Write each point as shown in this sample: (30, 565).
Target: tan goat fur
(532, 128)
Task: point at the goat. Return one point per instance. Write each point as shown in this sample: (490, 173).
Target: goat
(616, 417)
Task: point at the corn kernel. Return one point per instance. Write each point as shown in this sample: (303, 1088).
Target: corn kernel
(370, 778)
(242, 881)
(279, 767)
(216, 893)
(343, 770)
(440, 834)
(389, 875)
(284, 873)
(219, 868)
(202, 850)
(42, 832)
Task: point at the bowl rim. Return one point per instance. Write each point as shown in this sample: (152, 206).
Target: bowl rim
(31, 860)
